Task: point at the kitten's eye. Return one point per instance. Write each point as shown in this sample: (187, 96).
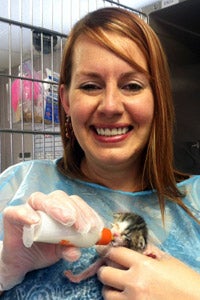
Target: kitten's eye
(127, 233)
(126, 237)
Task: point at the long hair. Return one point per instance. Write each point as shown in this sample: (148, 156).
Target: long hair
(158, 169)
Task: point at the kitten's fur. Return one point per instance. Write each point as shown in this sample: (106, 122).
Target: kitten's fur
(129, 230)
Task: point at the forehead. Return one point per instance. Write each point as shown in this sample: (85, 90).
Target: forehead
(124, 48)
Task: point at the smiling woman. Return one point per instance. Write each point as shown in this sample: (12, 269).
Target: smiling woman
(120, 99)
(111, 108)
(116, 118)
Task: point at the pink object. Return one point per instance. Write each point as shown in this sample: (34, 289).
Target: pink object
(24, 90)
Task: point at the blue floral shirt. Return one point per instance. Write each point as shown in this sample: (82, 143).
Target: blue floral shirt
(180, 237)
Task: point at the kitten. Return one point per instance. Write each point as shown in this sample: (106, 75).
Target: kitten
(129, 230)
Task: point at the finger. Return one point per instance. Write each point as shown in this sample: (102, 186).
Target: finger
(123, 256)
(20, 215)
(128, 257)
(112, 294)
(37, 201)
(83, 216)
(112, 277)
(14, 218)
(87, 218)
(69, 210)
(56, 204)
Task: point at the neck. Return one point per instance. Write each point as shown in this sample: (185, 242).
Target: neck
(115, 177)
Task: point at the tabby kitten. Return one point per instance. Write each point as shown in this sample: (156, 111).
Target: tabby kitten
(129, 230)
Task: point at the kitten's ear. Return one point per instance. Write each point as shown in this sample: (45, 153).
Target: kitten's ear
(112, 225)
(141, 243)
(116, 215)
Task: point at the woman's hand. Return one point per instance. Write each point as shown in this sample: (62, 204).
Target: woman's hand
(140, 277)
(16, 259)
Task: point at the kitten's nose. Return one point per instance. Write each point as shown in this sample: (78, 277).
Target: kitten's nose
(115, 234)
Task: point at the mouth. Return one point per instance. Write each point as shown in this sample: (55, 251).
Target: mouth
(112, 131)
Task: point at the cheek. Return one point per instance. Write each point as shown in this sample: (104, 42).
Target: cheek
(143, 112)
(78, 109)
(80, 116)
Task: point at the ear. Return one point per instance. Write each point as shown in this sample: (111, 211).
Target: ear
(64, 99)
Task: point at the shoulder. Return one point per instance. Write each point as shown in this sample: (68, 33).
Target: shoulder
(191, 189)
(26, 165)
(18, 181)
(192, 181)
(18, 171)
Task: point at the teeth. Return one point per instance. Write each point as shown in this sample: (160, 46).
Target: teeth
(112, 132)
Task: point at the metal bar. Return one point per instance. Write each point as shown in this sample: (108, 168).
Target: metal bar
(32, 27)
(25, 131)
(21, 63)
(42, 66)
(9, 81)
(28, 78)
(52, 74)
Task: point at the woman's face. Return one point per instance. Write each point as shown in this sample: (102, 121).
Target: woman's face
(110, 103)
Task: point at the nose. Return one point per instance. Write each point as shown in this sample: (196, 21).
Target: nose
(111, 102)
(115, 234)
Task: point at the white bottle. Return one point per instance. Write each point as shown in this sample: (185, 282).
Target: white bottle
(49, 230)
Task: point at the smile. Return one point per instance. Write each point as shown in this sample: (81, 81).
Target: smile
(112, 131)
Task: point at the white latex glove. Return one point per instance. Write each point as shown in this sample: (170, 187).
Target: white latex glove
(16, 260)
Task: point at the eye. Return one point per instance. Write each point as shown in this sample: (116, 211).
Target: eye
(90, 87)
(126, 236)
(132, 87)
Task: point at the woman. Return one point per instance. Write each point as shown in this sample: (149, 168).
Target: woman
(116, 118)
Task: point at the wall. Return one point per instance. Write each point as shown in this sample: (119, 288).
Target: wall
(178, 28)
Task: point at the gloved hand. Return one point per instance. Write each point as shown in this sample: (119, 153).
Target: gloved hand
(16, 260)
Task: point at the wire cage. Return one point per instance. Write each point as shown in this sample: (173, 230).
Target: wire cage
(33, 34)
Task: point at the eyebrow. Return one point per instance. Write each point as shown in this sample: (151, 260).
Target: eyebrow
(122, 75)
(87, 74)
(133, 73)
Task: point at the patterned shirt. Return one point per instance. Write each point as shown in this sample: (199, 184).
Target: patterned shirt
(180, 237)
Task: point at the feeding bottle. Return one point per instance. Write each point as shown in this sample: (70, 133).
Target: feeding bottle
(49, 230)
